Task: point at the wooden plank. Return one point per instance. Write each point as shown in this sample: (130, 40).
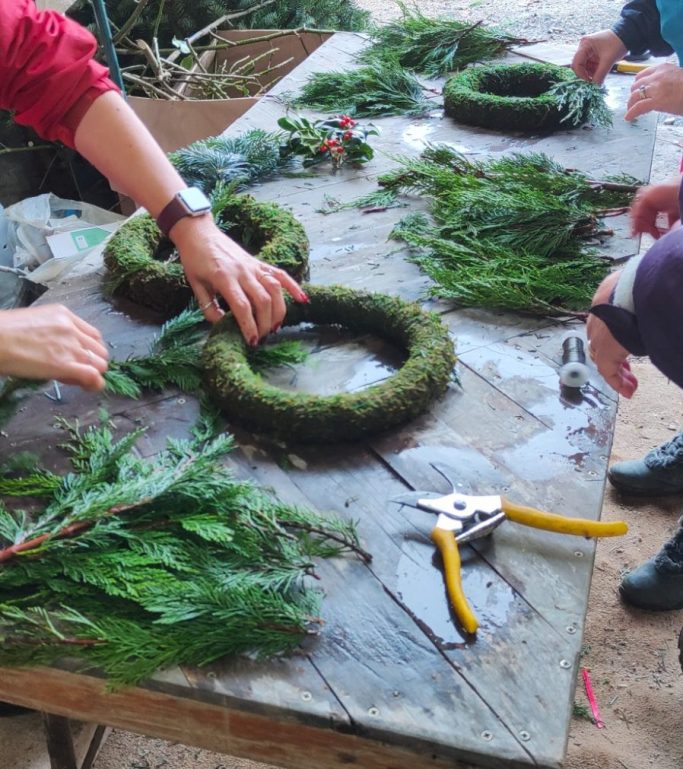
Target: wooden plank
(366, 635)
(282, 742)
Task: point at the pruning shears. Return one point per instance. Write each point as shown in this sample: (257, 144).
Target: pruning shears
(463, 518)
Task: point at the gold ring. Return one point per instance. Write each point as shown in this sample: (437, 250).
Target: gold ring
(642, 90)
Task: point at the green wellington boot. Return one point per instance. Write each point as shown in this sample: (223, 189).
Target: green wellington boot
(658, 472)
(657, 584)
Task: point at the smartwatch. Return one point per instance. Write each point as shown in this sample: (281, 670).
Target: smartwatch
(188, 202)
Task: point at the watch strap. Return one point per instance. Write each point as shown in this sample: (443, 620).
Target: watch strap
(190, 201)
(172, 213)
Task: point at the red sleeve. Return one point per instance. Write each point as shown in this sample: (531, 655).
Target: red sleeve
(48, 77)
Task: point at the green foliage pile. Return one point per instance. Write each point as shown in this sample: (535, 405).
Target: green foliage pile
(435, 47)
(376, 90)
(134, 565)
(512, 233)
(166, 19)
(235, 161)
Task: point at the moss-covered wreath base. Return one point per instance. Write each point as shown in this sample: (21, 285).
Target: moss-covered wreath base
(508, 97)
(143, 264)
(302, 417)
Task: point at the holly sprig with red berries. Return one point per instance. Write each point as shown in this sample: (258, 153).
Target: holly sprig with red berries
(338, 139)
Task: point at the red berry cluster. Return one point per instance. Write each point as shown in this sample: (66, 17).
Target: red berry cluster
(333, 145)
(346, 122)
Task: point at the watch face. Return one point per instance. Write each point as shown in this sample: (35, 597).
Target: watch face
(195, 200)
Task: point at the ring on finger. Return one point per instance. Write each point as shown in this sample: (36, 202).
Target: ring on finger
(642, 90)
(210, 303)
(268, 272)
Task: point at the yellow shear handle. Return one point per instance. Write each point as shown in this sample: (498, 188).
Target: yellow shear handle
(448, 547)
(581, 527)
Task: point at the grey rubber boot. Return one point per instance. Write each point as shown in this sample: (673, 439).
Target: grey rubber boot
(658, 472)
(657, 584)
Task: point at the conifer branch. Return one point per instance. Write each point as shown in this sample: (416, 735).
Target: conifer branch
(150, 563)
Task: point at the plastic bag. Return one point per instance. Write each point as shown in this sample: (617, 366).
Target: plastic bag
(48, 235)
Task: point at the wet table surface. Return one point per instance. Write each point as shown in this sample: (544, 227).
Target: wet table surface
(391, 681)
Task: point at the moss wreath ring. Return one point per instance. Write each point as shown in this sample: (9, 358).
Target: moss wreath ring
(307, 418)
(143, 267)
(508, 97)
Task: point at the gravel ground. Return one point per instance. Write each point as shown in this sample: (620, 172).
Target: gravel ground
(533, 19)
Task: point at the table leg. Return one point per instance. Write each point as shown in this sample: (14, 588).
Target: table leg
(60, 744)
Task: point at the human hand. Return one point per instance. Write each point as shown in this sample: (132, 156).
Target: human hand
(650, 202)
(50, 342)
(610, 358)
(656, 88)
(596, 55)
(216, 266)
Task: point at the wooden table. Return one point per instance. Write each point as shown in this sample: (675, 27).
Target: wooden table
(391, 681)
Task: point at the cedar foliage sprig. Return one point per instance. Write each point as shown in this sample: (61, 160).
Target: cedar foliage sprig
(379, 89)
(513, 232)
(583, 101)
(135, 564)
(434, 47)
(174, 358)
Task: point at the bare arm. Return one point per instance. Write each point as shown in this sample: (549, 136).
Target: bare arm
(115, 141)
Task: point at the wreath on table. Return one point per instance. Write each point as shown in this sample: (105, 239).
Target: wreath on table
(252, 402)
(530, 97)
(144, 266)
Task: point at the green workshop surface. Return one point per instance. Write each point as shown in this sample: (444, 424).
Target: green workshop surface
(391, 682)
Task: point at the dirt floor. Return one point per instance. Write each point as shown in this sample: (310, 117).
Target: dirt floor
(631, 655)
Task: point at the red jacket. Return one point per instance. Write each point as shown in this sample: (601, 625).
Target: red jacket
(48, 77)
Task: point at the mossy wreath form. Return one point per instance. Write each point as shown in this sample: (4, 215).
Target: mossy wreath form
(508, 97)
(307, 418)
(137, 256)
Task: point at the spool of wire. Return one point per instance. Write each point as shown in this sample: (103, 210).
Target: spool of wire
(574, 371)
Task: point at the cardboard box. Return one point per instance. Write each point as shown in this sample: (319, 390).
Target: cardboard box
(178, 123)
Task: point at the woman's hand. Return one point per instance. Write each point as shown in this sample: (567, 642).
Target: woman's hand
(610, 358)
(50, 342)
(596, 55)
(657, 88)
(216, 266)
(650, 202)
